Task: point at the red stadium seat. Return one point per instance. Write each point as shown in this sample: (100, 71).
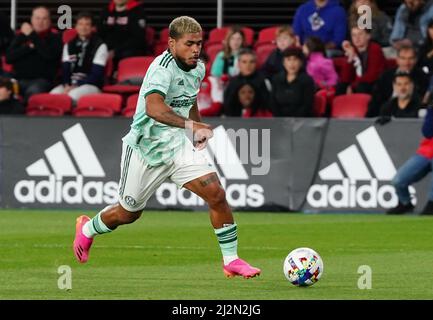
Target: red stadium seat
(130, 69)
(339, 63)
(319, 108)
(68, 35)
(266, 35)
(390, 63)
(350, 106)
(150, 38)
(263, 51)
(212, 50)
(161, 44)
(49, 104)
(8, 68)
(98, 105)
(131, 104)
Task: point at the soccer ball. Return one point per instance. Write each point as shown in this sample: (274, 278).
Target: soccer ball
(303, 267)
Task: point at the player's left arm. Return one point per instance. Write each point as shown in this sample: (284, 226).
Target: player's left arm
(194, 113)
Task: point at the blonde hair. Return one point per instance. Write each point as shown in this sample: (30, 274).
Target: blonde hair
(285, 30)
(182, 25)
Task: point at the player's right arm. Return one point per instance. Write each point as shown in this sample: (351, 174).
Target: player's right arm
(157, 109)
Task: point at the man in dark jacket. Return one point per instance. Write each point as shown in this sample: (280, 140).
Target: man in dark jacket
(247, 74)
(84, 59)
(35, 54)
(123, 29)
(8, 104)
(383, 89)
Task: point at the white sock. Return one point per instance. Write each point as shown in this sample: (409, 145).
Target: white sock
(228, 259)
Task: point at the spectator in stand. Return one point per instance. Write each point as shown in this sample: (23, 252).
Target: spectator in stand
(323, 18)
(247, 74)
(292, 89)
(425, 61)
(84, 60)
(246, 103)
(6, 36)
(284, 38)
(320, 68)
(416, 168)
(35, 54)
(365, 63)
(383, 89)
(8, 104)
(381, 24)
(405, 102)
(225, 64)
(210, 96)
(123, 29)
(411, 20)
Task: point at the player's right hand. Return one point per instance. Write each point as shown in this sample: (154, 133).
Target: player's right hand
(202, 133)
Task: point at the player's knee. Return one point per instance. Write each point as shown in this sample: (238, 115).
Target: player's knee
(217, 197)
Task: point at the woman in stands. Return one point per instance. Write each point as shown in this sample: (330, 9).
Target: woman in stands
(226, 62)
(246, 103)
(292, 89)
(381, 24)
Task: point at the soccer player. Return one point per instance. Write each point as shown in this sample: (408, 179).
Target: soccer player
(157, 147)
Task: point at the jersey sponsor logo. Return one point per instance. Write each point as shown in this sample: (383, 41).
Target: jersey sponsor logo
(183, 101)
(360, 177)
(69, 172)
(231, 171)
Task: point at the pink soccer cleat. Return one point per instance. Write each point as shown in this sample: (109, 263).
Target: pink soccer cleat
(239, 267)
(82, 244)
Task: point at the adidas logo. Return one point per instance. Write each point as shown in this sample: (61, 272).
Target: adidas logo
(228, 166)
(369, 164)
(180, 83)
(72, 160)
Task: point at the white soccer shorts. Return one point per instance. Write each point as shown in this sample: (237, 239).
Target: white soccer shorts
(138, 180)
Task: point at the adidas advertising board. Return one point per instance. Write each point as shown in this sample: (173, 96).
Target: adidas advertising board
(357, 167)
(311, 165)
(76, 164)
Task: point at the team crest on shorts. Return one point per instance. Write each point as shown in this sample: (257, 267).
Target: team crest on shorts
(130, 201)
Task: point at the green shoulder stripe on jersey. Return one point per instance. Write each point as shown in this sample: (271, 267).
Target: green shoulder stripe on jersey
(168, 62)
(165, 58)
(155, 91)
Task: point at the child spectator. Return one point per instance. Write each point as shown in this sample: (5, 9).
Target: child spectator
(226, 61)
(284, 38)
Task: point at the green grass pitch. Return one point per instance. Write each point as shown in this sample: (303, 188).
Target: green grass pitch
(174, 255)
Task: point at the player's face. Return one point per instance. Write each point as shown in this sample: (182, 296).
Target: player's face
(187, 48)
